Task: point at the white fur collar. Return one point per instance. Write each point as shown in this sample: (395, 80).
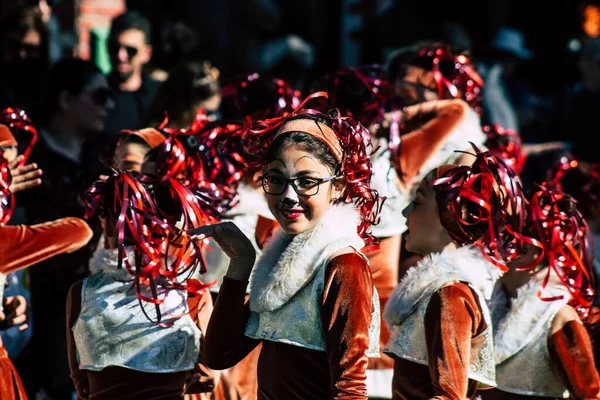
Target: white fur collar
(518, 323)
(289, 262)
(464, 264)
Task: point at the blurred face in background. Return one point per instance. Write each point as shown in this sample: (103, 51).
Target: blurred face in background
(21, 46)
(416, 86)
(88, 110)
(129, 52)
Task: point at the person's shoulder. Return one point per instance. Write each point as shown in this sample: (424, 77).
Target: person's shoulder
(457, 291)
(565, 315)
(348, 261)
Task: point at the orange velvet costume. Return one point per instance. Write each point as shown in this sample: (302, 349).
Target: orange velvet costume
(240, 382)
(22, 246)
(292, 372)
(453, 319)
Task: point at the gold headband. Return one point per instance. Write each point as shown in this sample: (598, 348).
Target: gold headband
(316, 129)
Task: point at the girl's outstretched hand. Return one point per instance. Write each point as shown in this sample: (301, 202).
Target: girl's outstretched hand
(234, 243)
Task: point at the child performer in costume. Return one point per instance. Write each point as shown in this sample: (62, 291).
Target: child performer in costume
(22, 246)
(441, 333)
(312, 302)
(135, 327)
(543, 350)
(364, 94)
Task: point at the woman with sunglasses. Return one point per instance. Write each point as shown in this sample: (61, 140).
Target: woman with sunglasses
(441, 332)
(76, 107)
(312, 302)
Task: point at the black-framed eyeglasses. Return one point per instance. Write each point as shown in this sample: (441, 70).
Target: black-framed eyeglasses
(101, 95)
(304, 186)
(17, 46)
(114, 48)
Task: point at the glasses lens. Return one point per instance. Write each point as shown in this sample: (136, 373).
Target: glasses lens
(274, 185)
(101, 96)
(131, 51)
(115, 47)
(307, 186)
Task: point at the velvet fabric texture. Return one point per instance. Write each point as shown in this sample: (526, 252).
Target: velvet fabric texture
(291, 372)
(572, 355)
(6, 137)
(429, 125)
(453, 319)
(22, 245)
(116, 383)
(11, 387)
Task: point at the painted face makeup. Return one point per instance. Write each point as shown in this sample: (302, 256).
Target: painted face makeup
(299, 189)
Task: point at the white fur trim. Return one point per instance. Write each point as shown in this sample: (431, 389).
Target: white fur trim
(464, 264)
(516, 326)
(289, 262)
(379, 383)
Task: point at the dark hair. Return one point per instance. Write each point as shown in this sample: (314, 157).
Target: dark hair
(22, 20)
(305, 142)
(177, 41)
(396, 65)
(72, 75)
(130, 20)
(188, 84)
(583, 183)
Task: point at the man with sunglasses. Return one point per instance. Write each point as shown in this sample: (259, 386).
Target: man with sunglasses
(129, 49)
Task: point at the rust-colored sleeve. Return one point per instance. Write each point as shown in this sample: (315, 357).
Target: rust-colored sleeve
(571, 349)
(204, 379)
(346, 311)
(430, 123)
(452, 319)
(78, 376)
(264, 230)
(22, 246)
(225, 343)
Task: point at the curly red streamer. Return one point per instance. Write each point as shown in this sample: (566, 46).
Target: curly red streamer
(7, 201)
(506, 144)
(484, 205)
(356, 168)
(276, 96)
(211, 162)
(460, 76)
(565, 237)
(154, 234)
(18, 121)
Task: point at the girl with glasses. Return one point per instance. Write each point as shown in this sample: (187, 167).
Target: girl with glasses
(312, 302)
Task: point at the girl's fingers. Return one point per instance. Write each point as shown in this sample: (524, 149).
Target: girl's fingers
(23, 327)
(206, 231)
(15, 162)
(26, 176)
(17, 321)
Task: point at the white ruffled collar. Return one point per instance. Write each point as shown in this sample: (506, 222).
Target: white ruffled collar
(289, 262)
(463, 264)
